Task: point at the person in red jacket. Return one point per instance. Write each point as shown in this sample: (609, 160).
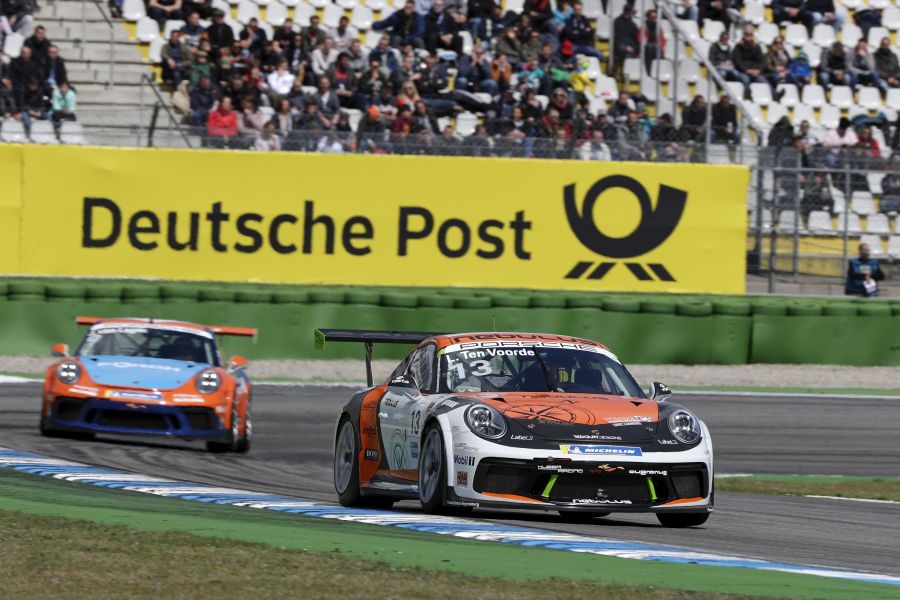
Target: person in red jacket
(222, 126)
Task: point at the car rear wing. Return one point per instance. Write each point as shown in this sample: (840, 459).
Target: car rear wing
(250, 332)
(368, 338)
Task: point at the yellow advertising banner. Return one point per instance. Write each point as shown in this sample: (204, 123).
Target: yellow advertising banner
(383, 220)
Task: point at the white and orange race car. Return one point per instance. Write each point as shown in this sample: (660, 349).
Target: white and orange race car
(150, 377)
(519, 420)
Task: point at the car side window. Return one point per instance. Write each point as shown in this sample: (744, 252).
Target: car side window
(421, 367)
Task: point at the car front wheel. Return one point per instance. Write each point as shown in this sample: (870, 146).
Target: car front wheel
(432, 471)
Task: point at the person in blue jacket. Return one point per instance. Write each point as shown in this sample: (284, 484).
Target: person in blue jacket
(863, 274)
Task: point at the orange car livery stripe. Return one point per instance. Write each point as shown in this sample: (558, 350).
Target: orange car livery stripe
(368, 435)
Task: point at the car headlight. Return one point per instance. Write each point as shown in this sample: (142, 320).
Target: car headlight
(684, 426)
(485, 421)
(208, 381)
(68, 372)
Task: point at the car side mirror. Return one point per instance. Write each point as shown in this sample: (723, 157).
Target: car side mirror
(59, 350)
(237, 363)
(405, 381)
(659, 391)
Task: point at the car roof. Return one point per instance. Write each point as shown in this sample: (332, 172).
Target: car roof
(450, 339)
(160, 323)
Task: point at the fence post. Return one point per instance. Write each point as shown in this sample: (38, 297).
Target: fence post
(83, 28)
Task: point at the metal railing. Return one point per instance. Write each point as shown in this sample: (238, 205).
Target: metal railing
(159, 104)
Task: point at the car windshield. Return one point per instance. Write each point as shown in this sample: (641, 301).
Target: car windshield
(150, 342)
(534, 367)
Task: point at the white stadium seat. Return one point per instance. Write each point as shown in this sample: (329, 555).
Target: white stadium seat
(42, 132)
(132, 10)
(813, 95)
(820, 223)
(147, 30)
(877, 224)
(862, 203)
(71, 132)
(13, 131)
(875, 244)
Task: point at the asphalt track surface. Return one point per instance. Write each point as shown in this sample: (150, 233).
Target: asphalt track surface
(292, 454)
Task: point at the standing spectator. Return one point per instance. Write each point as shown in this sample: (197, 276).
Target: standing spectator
(724, 121)
(653, 38)
(324, 56)
(626, 38)
(404, 25)
(578, 30)
(886, 64)
(862, 65)
(176, 59)
(863, 274)
(823, 11)
(193, 31)
(203, 98)
(778, 61)
(791, 11)
(163, 10)
(64, 104)
(54, 68)
(720, 55)
(748, 58)
(835, 67)
(344, 34)
(222, 126)
(219, 34)
(800, 71)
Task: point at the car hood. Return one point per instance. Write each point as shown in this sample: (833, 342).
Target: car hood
(577, 418)
(140, 372)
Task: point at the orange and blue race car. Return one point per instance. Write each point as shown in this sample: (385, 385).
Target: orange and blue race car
(150, 377)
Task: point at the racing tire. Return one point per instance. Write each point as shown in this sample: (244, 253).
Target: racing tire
(235, 442)
(346, 470)
(433, 471)
(243, 443)
(580, 516)
(50, 432)
(682, 519)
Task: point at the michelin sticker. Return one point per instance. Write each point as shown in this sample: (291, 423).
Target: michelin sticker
(615, 450)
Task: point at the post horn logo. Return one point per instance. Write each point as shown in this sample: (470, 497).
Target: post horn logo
(656, 225)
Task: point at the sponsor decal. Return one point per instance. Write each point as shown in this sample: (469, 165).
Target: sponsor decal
(602, 469)
(523, 438)
(186, 398)
(668, 442)
(370, 431)
(77, 389)
(462, 459)
(134, 406)
(128, 365)
(462, 503)
(450, 404)
(595, 435)
(647, 472)
(560, 469)
(629, 419)
(462, 478)
(598, 501)
(615, 450)
(122, 394)
(414, 450)
(392, 402)
(371, 454)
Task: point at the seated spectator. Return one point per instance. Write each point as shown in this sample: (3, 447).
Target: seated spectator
(312, 36)
(268, 140)
(284, 118)
(358, 60)
(823, 11)
(777, 62)
(501, 72)
(748, 59)
(863, 274)
(559, 101)
(791, 11)
(632, 138)
(33, 103)
(693, 120)
(163, 10)
(653, 38)
(478, 17)
(324, 57)
(200, 67)
(531, 76)
(181, 101)
(423, 119)
(805, 132)
(626, 37)
(508, 46)
(64, 104)
(344, 81)
(280, 82)
(371, 83)
(724, 11)
(540, 14)
(688, 11)
(9, 105)
(621, 107)
(23, 69)
(54, 68)
(176, 59)
(839, 139)
(253, 38)
(800, 72)
(344, 34)
(442, 29)
(327, 102)
(250, 122)
(720, 55)
(404, 25)
(835, 67)
(664, 131)
(595, 148)
(890, 187)
(866, 144)
(579, 31)
(39, 44)
(886, 64)
(474, 74)
(862, 67)
(192, 30)
(203, 98)
(16, 16)
(724, 121)
(330, 143)
(372, 132)
(219, 33)
(386, 56)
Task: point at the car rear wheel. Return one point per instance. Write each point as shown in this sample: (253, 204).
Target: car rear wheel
(580, 516)
(346, 464)
(433, 471)
(682, 519)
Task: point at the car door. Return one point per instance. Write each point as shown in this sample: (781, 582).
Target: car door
(400, 413)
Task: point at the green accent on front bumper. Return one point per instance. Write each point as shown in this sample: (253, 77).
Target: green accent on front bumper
(549, 486)
(652, 489)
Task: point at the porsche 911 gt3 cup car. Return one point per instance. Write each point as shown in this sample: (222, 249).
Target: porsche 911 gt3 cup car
(519, 420)
(149, 377)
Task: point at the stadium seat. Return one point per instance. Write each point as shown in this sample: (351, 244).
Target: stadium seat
(853, 226)
(774, 113)
(663, 67)
(767, 32)
(791, 96)
(267, 27)
(756, 115)
(761, 93)
(823, 35)
(876, 34)
(691, 31)
(247, 10)
(71, 132)
(304, 11)
(466, 123)
(874, 179)
(688, 70)
(840, 96)
(592, 9)
(632, 69)
(702, 49)
(837, 197)
(332, 15)
(754, 12)
(875, 244)
(13, 131)
(853, 4)
(820, 223)
(893, 98)
(878, 4)
(766, 217)
(262, 2)
(877, 224)
(12, 45)
(893, 248)
(377, 4)
(607, 88)
(862, 203)
(850, 34)
(517, 6)
(172, 25)
(362, 18)
(154, 53)
(147, 30)
(813, 95)
(649, 89)
(814, 52)
(789, 221)
(795, 35)
(684, 94)
(802, 113)
(346, 4)
(829, 116)
(890, 18)
(712, 30)
(42, 132)
(593, 70)
(221, 5)
(736, 88)
(604, 27)
(318, 3)
(132, 10)
(236, 27)
(276, 13)
(870, 98)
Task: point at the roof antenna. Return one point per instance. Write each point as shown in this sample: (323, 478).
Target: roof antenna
(494, 322)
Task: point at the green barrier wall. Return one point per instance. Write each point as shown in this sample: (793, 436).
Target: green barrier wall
(639, 328)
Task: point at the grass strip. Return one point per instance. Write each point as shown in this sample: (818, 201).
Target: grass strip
(875, 488)
(401, 552)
